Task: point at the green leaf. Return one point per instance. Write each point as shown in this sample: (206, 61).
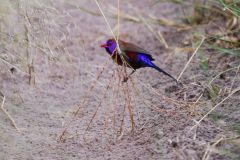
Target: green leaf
(213, 92)
(204, 64)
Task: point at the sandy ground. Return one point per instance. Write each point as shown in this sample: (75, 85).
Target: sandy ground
(73, 63)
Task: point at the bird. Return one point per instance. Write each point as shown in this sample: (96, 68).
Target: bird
(134, 56)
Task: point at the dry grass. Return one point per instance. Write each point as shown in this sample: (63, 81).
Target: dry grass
(46, 38)
(7, 114)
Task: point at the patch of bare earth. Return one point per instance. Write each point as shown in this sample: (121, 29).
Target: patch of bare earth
(73, 73)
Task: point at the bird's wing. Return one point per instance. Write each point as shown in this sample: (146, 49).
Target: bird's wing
(132, 48)
(125, 46)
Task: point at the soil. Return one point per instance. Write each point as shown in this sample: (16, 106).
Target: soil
(72, 72)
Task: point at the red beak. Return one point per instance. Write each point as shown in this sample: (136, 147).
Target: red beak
(104, 45)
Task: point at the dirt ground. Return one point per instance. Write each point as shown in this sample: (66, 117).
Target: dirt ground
(72, 72)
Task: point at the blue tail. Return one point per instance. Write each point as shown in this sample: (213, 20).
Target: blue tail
(148, 63)
(160, 70)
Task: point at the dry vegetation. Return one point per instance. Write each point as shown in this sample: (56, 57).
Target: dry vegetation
(63, 98)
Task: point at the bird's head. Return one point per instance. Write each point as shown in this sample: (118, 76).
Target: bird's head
(110, 46)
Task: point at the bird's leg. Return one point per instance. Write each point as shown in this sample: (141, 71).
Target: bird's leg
(126, 78)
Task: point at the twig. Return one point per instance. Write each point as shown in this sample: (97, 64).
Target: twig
(198, 122)
(173, 101)
(14, 66)
(84, 103)
(95, 113)
(185, 67)
(209, 149)
(123, 15)
(8, 115)
(111, 13)
(168, 23)
(157, 35)
(27, 34)
(163, 39)
(109, 27)
(118, 21)
(221, 73)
